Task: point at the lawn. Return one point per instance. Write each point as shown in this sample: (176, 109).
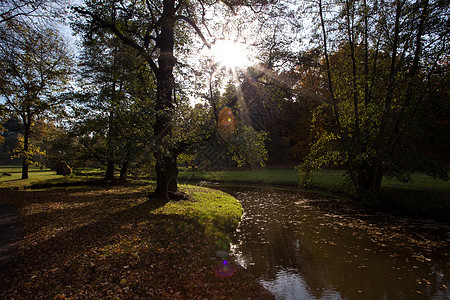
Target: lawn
(424, 196)
(328, 179)
(110, 242)
(324, 179)
(15, 171)
(272, 176)
(10, 177)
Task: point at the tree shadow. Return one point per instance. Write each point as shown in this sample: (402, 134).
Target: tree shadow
(63, 253)
(10, 232)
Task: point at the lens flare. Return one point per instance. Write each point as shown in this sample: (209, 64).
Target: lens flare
(224, 269)
(226, 123)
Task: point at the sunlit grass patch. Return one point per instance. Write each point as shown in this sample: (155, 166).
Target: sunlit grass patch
(218, 212)
(10, 176)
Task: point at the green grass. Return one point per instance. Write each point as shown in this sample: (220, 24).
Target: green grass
(210, 206)
(419, 182)
(270, 176)
(424, 196)
(217, 211)
(35, 175)
(38, 178)
(327, 179)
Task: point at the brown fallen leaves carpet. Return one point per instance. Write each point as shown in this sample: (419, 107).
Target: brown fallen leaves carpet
(105, 243)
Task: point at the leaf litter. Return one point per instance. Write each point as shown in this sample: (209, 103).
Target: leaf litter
(106, 242)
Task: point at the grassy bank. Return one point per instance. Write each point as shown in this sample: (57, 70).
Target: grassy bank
(257, 176)
(422, 197)
(327, 179)
(111, 242)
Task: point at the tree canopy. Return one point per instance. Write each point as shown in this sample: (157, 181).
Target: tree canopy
(35, 69)
(360, 85)
(378, 61)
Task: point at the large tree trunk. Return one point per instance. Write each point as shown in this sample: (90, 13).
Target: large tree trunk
(165, 155)
(109, 174)
(166, 166)
(166, 174)
(124, 171)
(126, 163)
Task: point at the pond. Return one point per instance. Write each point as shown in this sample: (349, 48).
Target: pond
(306, 246)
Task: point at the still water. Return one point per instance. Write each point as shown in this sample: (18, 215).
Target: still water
(304, 246)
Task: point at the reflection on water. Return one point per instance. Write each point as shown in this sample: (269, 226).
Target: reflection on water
(303, 246)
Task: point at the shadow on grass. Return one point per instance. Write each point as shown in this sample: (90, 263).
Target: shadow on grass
(68, 182)
(94, 246)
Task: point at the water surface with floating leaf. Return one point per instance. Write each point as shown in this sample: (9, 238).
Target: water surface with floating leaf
(308, 246)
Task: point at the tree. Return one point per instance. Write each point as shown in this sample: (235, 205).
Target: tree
(35, 72)
(154, 30)
(18, 10)
(118, 93)
(41, 139)
(378, 72)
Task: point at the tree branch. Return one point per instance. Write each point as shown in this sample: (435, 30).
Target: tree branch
(127, 41)
(197, 29)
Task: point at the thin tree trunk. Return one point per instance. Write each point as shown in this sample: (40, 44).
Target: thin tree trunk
(333, 99)
(27, 120)
(412, 92)
(374, 70)
(110, 160)
(110, 151)
(354, 73)
(26, 148)
(366, 54)
(379, 147)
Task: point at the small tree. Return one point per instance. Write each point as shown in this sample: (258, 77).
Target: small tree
(35, 71)
(379, 73)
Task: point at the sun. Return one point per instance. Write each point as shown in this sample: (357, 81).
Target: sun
(231, 54)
